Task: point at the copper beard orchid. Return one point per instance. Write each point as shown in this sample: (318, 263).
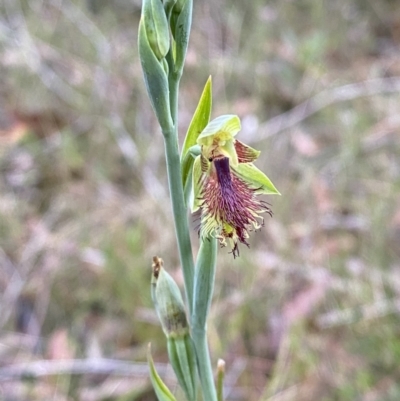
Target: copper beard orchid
(226, 184)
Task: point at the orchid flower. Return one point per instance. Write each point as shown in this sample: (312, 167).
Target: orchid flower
(226, 185)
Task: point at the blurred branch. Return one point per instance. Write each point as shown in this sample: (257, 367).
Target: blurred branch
(88, 28)
(13, 289)
(360, 313)
(327, 98)
(77, 366)
(20, 39)
(17, 36)
(103, 49)
(232, 376)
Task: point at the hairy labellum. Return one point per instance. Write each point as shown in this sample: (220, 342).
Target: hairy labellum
(230, 207)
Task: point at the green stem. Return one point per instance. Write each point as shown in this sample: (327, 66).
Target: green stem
(204, 365)
(177, 197)
(174, 79)
(203, 292)
(199, 290)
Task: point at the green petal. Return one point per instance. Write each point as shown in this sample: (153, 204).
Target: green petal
(249, 173)
(196, 184)
(161, 390)
(223, 128)
(228, 150)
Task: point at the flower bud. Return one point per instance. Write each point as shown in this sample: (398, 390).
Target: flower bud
(180, 22)
(220, 379)
(168, 6)
(155, 78)
(171, 312)
(156, 25)
(168, 301)
(179, 5)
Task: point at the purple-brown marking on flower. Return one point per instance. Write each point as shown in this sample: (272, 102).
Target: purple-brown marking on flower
(245, 153)
(230, 207)
(226, 184)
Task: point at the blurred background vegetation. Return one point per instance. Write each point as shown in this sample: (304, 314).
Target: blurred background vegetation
(311, 311)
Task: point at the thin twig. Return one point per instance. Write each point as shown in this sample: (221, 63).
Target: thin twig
(13, 289)
(324, 99)
(363, 312)
(78, 366)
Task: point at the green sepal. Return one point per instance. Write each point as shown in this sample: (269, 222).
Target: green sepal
(223, 128)
(200, 119)
(249, 173)
(162, 391)
(155, 79)
(182, 357)
(181, 21)
(217, 138)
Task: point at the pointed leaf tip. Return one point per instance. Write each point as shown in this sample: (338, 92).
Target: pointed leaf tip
(162, 391)
(199, 121)
(200, 118)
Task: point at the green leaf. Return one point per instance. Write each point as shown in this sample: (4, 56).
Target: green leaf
(182, 357)
(161, 390)
(155, 79)
(199, 121)
(256, 178)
